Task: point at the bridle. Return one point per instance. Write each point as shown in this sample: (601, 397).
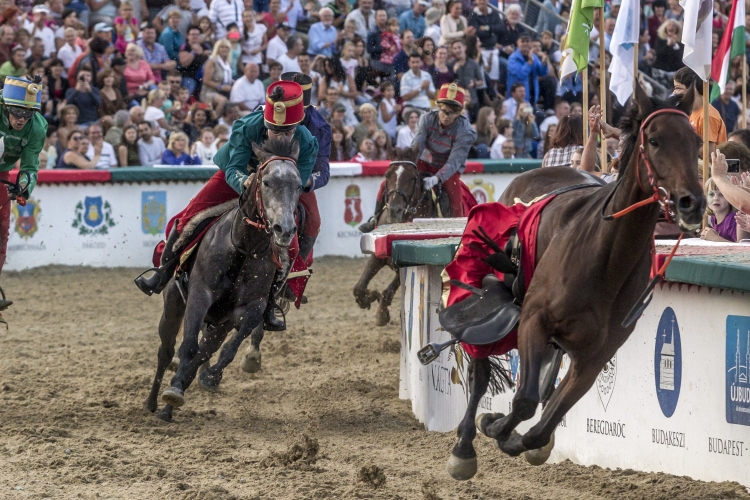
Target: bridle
(660, 194)
(411, 207)
(261, 223)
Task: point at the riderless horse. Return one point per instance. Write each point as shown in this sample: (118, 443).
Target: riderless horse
(230, 276)
(592, 265)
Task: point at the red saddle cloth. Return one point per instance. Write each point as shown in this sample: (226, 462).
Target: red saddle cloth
(498, 221)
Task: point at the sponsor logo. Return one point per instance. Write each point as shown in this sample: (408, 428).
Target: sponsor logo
(737, 363)
(726, 447)
(153, 212)
(26, 218)
(482, 192)
(668, 362)
(605, 381)
(668, 438)
(605, 427)
(352, 205)
(93, 216)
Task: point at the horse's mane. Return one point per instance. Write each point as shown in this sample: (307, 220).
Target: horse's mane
(630, 126)
(278, 147)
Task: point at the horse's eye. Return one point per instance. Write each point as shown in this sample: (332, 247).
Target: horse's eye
(265, 183)
(653, 142)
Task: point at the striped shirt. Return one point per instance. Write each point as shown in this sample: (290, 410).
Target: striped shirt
(225, 12)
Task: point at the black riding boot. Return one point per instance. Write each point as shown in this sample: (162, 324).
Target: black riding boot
(306, 244)
(272, 323)
(372, 222)
(162, 274)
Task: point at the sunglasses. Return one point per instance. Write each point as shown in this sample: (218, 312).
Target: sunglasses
(21, 113)
(448, 114)
(76, 138)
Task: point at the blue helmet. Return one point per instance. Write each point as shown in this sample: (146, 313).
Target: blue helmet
(22, 93)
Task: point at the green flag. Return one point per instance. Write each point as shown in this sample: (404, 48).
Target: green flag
(580, 25)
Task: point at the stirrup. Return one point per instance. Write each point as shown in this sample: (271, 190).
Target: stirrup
(140, 279)
(273, 308)
(368, 226)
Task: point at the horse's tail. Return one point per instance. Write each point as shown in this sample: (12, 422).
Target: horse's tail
(500, 378)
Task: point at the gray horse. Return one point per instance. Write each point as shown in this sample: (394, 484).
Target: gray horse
(230, 277)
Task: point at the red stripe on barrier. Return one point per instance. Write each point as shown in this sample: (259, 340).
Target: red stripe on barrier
(384, 245)
(70, 176)
(378, 168)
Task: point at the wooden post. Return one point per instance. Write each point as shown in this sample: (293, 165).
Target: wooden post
(603, 88)
(706, 128)
(744, 91)
(585, 84)
(635, 68)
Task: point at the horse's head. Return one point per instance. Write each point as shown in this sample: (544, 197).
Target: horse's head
(278, 186)
(403, 186)
(667, 159)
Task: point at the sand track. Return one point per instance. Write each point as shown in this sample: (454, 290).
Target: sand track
(321, 420)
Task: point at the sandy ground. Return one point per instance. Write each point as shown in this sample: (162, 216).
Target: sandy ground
(321, 420)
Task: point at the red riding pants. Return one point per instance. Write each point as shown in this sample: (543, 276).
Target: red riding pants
(4, 220)
(453, 187)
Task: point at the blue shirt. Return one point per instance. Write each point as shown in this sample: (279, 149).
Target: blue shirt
(172, 41)
(416, 24)
(519, 71)
(321, 130)
(168, 158)
(319, 36)
(157, 56)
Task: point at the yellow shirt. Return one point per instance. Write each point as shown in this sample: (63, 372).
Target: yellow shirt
(717, 131)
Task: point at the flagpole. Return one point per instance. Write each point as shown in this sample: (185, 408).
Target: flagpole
(744, 91)
(585, 83)
(635, 67)
(602, 88)
(706, 158)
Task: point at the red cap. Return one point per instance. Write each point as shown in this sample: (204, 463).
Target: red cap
(450, 93)
(288, 110)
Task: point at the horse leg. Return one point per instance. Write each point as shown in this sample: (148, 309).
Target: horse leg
(382, 317)
(532, 344)
(206, 378)
(211, 378)
(364, 296)
(169, 327)
(251, 359)
(462, 464)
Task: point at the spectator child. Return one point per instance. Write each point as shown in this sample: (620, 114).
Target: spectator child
(274, 75)
(388, 109)
(126, 26)
(381, 145)
(127, 150)
(348, 61)
(341, 146)
(723, 226)
(525, 131)
(175, 154)
(390, 41)
(221, 132)
(233, 35)
(208, 35)
(366, 151)
(205, 147)
(180, 107)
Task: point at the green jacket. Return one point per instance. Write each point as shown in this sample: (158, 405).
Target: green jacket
(237, 158)
(25, 144)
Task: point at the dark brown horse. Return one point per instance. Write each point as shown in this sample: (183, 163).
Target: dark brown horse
(404, 202)
(589, 272)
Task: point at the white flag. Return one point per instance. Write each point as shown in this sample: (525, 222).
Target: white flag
(696, 36)
(623, 52)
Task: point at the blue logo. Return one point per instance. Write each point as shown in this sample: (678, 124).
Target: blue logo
(153, 212)
(738, 360)
(92, 211)
(668, 362)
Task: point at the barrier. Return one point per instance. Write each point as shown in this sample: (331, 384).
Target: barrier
(675, 398)
(116, 217)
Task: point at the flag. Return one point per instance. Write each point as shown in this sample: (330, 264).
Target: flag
(696, 36)
(623, 50)
(732, 45)
(580, 24)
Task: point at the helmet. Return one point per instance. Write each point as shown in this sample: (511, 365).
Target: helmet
(22, 97)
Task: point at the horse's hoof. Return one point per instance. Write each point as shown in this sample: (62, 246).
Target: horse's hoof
(149, 406)
(173, 396)
(165, 415)
(513, 446)
(541, 455)
(174, 364)
(462, 469)
(251, 361)
(382, 317)
(207, 383)
(485, 419)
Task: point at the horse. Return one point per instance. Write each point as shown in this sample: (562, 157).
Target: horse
(578, 303)
(230, 276)
(405, 201)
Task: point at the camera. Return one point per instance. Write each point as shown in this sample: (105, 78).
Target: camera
(82, 78)
(733, 166)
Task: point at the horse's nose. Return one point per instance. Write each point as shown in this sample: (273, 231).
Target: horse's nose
(397, 214)
(691, 204)
(280, 231)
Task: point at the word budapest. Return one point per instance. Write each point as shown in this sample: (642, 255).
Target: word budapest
(725, 446)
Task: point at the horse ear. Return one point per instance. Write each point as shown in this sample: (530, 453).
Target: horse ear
(414, 153)
(259, 152)
(295, 150)
(645, 106)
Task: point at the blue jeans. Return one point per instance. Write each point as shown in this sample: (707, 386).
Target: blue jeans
(260, 5)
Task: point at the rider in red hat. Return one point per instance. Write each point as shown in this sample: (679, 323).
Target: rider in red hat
(281, 118)
(444, 137)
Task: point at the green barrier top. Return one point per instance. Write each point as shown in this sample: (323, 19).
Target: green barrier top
(152, 174)
(510, 166)
(437, 252)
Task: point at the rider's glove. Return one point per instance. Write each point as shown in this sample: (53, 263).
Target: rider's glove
(431, 182)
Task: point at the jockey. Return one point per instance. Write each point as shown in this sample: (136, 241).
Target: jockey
(444, 137)
(281, 118)
(22, 135)
(321, 172)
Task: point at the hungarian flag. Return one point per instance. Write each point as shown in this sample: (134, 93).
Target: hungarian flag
(580, 25)
(732, 45)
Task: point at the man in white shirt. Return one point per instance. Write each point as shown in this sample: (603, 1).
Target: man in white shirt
(288, 61)
(304, 66)
(277, 46)
(364, 16)
(224, 12)
(108, 159)
(517, 97)
(248, 91)
(417, 87)
(70, 51)
(150, 148)
(496, 151)
(38, 29)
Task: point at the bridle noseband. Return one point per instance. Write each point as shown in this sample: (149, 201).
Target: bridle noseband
(261, 224)
(410, 209)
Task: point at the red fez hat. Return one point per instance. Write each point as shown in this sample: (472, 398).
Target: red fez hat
(450, 93)
(284, 105)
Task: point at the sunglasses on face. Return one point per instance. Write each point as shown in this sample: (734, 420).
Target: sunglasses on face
(448, 114)
(76, 138)
(21, 113)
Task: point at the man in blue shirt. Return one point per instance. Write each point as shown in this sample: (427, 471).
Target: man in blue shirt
(727, 108)
(414, 19)
(525, 67)
(171, 38)
(322, 35)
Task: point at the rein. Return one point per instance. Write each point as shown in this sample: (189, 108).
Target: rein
(660, 195)
(261, 224)
(411, 209)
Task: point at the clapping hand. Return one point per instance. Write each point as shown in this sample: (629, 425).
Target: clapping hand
(595, 117)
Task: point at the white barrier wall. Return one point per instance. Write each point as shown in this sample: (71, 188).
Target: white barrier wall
(675, 398)
(118, 224)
